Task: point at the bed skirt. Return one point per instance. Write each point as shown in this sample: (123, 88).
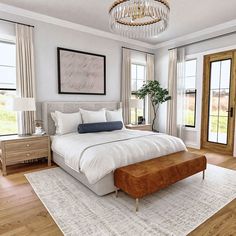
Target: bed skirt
(101, 188)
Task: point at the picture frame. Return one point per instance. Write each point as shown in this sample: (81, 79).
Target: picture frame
(81, 72)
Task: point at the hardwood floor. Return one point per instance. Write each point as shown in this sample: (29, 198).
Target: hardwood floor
(224, 221)
(22, 213)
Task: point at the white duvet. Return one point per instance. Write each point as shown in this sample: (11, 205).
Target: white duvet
(98, 154)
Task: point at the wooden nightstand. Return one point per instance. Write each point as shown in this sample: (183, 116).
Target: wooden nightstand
(16, 149)
(145, 127)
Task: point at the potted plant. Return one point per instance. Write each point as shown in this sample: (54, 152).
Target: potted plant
(156, 94)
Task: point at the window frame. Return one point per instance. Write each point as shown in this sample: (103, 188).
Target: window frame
(189, 91)
(8, 89)
(133, 93)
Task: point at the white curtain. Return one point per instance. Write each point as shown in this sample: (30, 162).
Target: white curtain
(25, 74)
(150, 76)
(175, 110)
(171, 126)
(180, 92)
(126, 84)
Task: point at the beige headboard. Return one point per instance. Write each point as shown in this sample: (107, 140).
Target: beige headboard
(70, 107)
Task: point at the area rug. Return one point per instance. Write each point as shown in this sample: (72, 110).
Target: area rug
(176, 210)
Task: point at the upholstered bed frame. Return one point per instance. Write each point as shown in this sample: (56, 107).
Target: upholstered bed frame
(105, 185)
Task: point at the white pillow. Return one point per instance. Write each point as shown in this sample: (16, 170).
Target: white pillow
(66, 122)
(114, 115)
(93, 116)
(54, 118)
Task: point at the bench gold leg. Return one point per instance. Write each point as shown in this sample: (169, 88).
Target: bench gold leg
(203, 175)
(137, 205)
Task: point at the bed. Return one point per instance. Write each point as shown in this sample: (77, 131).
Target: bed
(92, 158)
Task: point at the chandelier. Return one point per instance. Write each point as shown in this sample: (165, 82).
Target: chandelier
(139, 18)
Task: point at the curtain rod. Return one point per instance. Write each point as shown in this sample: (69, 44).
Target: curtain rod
(203, 40)
(139, 51)
(15, 22)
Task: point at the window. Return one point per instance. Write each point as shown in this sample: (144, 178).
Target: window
(8, 124)
(138, 78)
(190, 93)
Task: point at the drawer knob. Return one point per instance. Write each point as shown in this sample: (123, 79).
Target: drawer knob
(27, 154)
(27, 145)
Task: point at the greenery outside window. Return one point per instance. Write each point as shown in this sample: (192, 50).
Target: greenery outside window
(190, 93)
(138, 78)
(8, 121)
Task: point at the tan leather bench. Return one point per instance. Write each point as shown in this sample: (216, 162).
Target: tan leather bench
(143, 178)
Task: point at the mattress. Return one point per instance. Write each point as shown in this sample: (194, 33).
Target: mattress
(98, 154)
(102, 187)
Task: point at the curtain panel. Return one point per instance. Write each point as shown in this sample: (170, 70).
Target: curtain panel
(180, 92)
(176, 87)
(150, 76)
(25, 74)
(171, 126)
(126, 84)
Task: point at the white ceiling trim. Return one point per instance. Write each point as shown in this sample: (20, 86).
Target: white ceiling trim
(228, 26)
(67, 24)
(189, 38)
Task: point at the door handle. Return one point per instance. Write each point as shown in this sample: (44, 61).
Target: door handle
(231, 112)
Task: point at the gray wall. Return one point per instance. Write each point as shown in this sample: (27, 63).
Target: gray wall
(48, 37)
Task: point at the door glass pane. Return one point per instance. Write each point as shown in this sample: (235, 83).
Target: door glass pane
(214, 102)
(225, 74)
(212, 133)
(224, 102)
(222, 132)
(215, 75)
(219, 101)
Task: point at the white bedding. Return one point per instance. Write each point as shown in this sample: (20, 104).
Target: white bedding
(98, 154)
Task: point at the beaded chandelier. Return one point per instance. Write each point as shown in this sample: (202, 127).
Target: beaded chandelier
(139, 18)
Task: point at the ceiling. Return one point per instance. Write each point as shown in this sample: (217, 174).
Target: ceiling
(187, 16)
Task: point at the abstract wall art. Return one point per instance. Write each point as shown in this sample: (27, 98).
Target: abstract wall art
(81, 72)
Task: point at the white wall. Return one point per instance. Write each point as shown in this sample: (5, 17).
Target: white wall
(192, 137)
(48, 37)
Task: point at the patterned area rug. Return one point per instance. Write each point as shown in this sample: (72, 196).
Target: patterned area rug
(175, 211)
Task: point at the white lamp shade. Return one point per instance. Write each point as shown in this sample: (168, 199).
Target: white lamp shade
(23, 104)
(136, 103)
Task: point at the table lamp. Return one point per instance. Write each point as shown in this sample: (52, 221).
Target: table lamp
(23, 104)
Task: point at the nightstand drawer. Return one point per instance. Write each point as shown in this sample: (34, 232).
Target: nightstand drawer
(26, 155)
(25, 146)
(17, 149)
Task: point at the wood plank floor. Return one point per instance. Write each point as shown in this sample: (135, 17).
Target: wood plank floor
(22, 213)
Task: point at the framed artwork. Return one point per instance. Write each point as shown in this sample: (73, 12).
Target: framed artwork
(81, 72)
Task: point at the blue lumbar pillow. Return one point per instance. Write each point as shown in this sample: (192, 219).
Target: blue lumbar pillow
(100, 127)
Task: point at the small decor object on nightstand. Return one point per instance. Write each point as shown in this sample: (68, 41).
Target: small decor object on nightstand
(141, 120)
(39, 128)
